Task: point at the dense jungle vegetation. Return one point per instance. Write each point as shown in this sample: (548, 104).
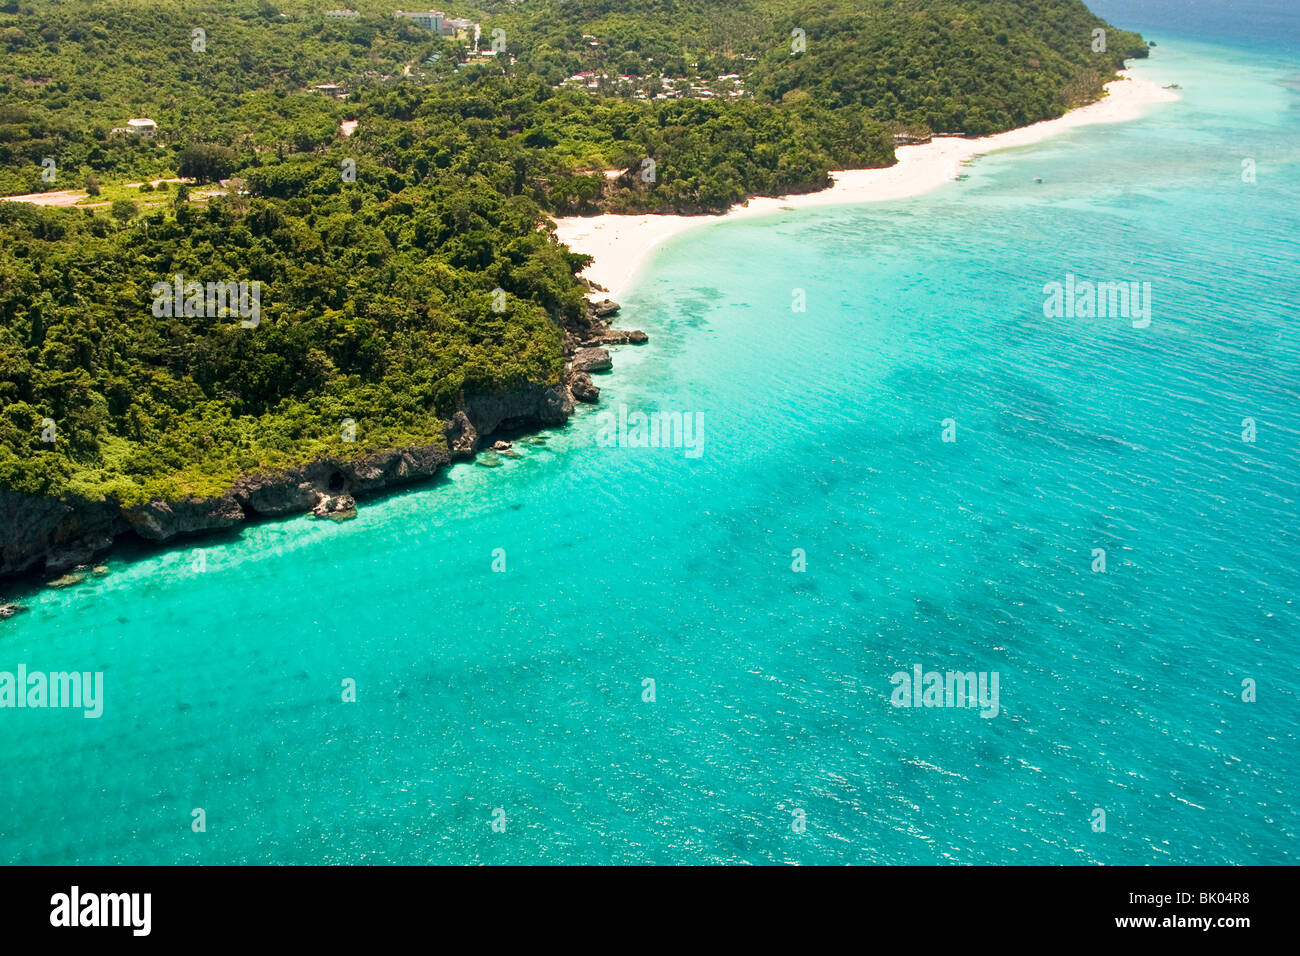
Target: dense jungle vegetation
(377, 288)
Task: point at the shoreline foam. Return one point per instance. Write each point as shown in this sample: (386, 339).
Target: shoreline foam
(621, 244)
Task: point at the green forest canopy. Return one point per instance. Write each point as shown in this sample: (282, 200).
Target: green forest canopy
(377, 290)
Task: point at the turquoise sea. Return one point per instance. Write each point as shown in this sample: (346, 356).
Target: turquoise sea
(524, 690)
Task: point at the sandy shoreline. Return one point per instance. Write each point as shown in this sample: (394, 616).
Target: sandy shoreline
(621, 244)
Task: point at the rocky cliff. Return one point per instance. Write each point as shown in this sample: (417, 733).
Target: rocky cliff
(49, 535)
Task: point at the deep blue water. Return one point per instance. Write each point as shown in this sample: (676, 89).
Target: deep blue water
(1253, 24)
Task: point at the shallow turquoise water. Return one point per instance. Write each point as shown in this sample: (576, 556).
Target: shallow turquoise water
(523, 690)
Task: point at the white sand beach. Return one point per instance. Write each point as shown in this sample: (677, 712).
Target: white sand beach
(620, 245)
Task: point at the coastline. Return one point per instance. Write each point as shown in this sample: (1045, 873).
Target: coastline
(65, 535)
(621, 244)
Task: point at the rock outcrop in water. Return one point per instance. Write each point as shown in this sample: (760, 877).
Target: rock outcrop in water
(592, 360)
(620, 337)
(335, 507)
(583, 389)
(54, 536)
(605, 308)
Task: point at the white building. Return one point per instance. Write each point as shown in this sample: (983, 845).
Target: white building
(429, 19)
(439, 23)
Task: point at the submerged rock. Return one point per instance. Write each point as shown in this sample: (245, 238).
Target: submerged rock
(66, 581)
(99, 570)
